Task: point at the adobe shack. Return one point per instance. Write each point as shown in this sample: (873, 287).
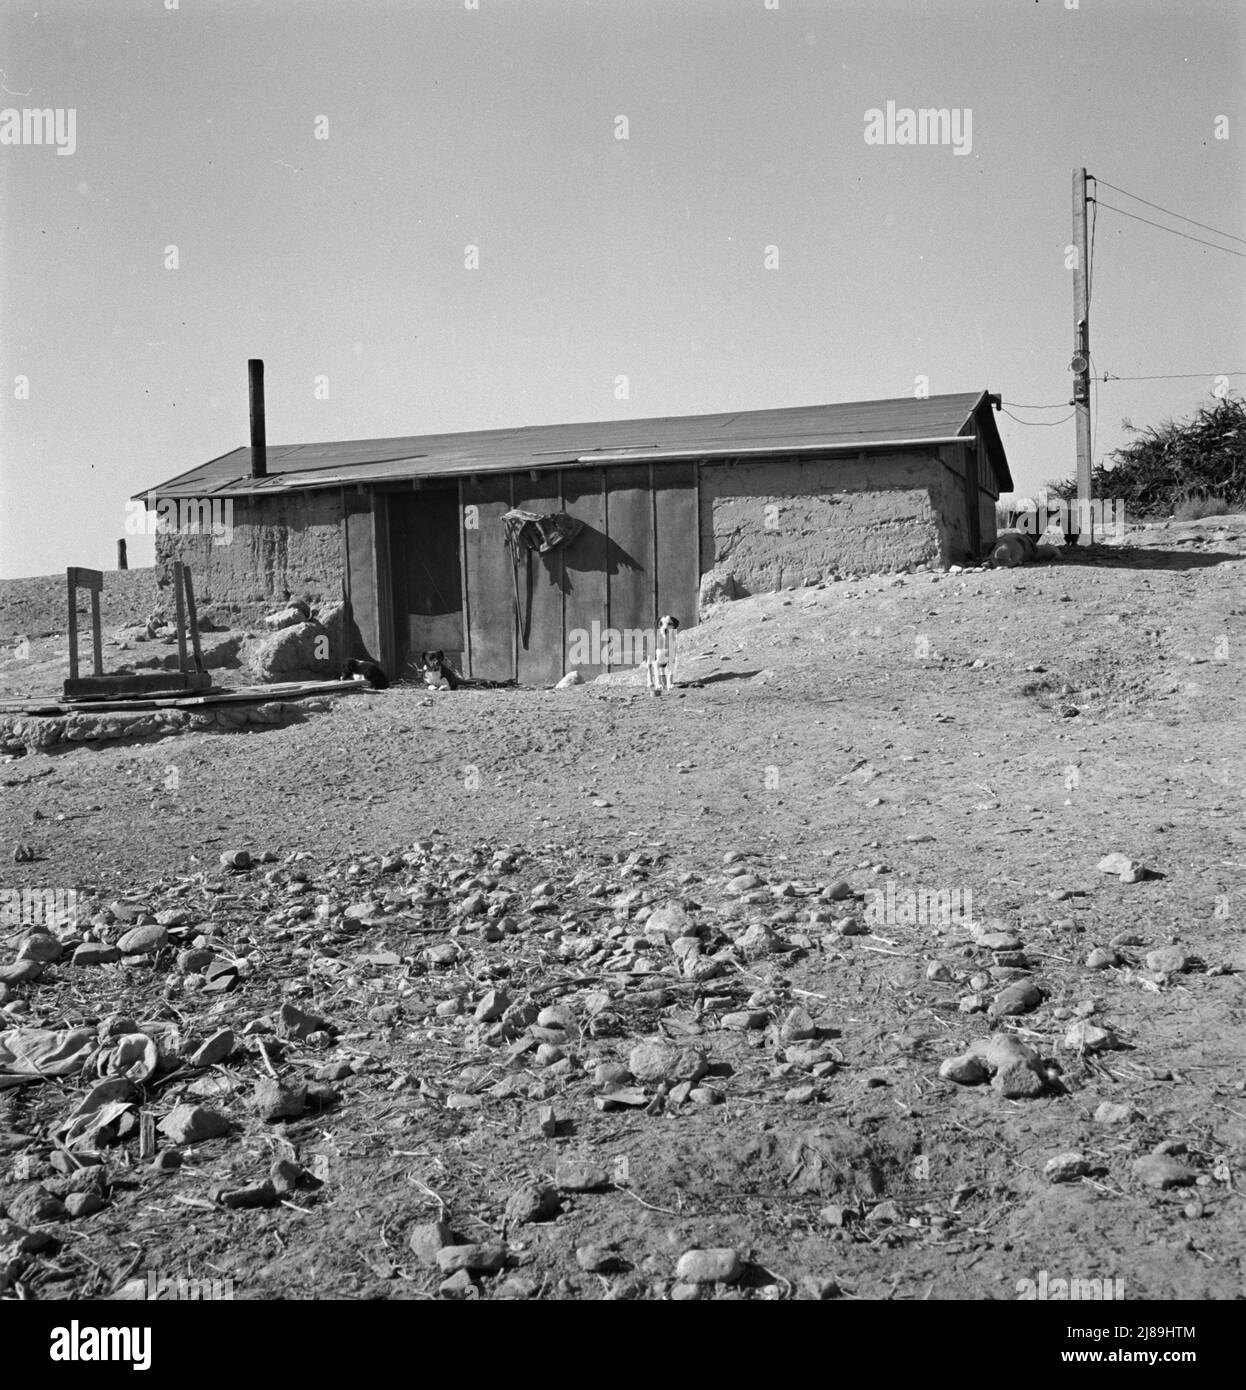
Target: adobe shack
(410, 530)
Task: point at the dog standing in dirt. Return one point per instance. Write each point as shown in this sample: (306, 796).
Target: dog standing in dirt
(660, 667)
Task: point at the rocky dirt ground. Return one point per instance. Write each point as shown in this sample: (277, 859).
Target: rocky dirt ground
(584, 995)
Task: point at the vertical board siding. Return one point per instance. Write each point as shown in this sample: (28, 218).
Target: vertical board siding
(677, 540)
(541, 660)
(630, 589)
(584, 565)
(490, 592)
(362, 571)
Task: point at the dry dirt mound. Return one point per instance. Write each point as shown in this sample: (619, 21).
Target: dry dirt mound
(463, 1011)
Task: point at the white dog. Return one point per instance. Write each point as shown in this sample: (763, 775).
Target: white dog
(660, 667)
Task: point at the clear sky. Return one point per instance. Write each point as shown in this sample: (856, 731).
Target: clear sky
(494, 124)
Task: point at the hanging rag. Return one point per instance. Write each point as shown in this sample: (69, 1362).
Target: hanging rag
(529, 531)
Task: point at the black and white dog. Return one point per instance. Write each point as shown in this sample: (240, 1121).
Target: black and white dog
(369, 671)
(660, 666)
(437, 672)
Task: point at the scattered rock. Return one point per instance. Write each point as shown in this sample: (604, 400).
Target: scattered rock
(1066, 1167)
(654, 1062)
(717, 1266)
(580, 1175)
(477, 1259)
(534, 1201)
(427, 1239)
(1168, 960)
(192, 1124)
(1162, 1171)
(143, 941)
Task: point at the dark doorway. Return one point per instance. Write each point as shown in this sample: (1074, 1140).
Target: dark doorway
(426, 575)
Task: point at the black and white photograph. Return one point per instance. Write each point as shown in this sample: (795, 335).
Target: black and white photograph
(622, 628)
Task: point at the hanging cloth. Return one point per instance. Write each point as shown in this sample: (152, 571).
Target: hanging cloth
(529, 531)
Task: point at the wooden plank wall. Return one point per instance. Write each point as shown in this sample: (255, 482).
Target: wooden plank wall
(584, 560)
(631, 597)
(489, 590)
(677, 540)
(636, 558)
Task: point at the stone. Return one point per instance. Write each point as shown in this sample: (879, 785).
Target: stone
(533, 1201)
(192, 1124)
(598, 1259)
(259, 1194)
(84, 1204)
(427, 1238)
(272, 1100)
(236, 859)
(215, 1049)
(581, 1175)
(459, 1285)
(1084, 1036)
(838, 891)
(741, 1021)
(1019, 1081)
(1112, 1113)
(610, 1074)
(654, 1062)
(1102, 958)
(1168, 960)
(476, 1258)
(21, 972)
(570, 679)
(716, 1266)
(166, 1161)
(671, 921)
(143, 941)
(1162, 1171)
(40, 946)
(998, 941)
(96, 953)
(292, 1022)
(1065, 1167)
(1016, 999)
(285, 1176)
(492, 1006)
(966, 1070)
(798, 1026)
(32, 1204)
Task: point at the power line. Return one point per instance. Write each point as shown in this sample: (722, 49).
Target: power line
(1017, 405)
(1228, 251)
(1170, 212)
(1169, 376)
(1046, 424)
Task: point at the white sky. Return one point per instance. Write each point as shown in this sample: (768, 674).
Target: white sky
(599, 257)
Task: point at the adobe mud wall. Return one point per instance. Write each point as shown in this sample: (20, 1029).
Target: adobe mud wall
(800, 521)
(278, 545)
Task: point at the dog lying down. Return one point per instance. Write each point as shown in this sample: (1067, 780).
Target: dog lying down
(439, 674)
(369, 671)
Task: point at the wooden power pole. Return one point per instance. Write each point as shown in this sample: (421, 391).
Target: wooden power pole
(1080, 365)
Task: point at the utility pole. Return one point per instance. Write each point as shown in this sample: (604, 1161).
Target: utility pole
(1083, 528)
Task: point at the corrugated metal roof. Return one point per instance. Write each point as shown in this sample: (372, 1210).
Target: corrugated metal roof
(837, 426)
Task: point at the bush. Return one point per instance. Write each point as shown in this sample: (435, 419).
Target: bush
(1194, 508)
(1177, 464)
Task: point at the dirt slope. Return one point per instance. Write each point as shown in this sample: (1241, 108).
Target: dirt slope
(992, 733)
